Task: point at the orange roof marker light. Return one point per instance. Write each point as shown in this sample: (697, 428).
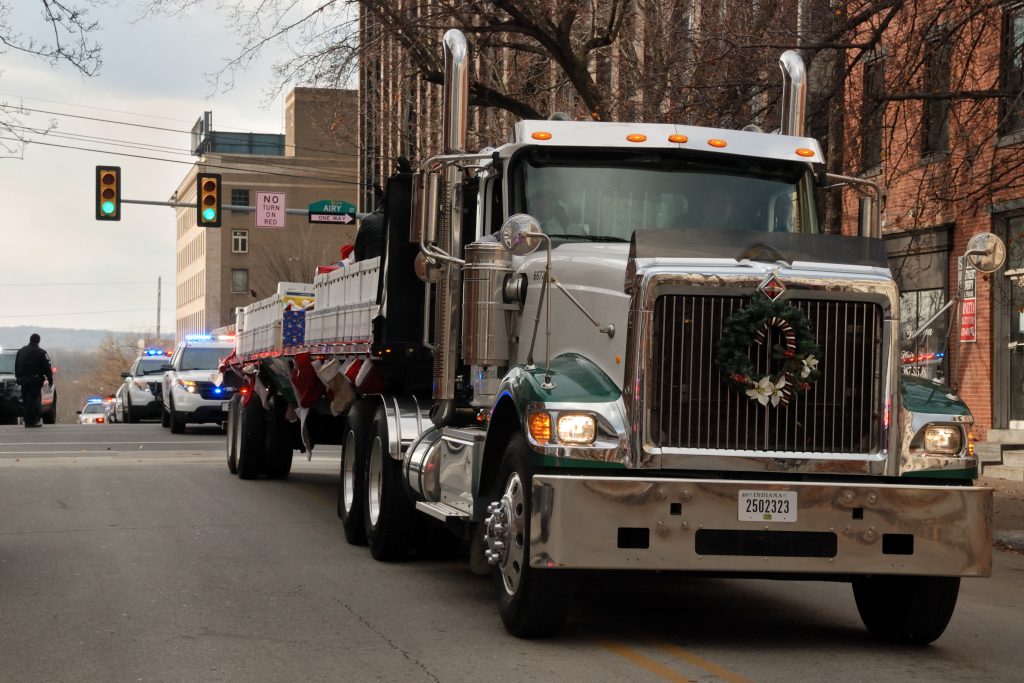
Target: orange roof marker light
(804, 152)
(678, 138)
(636, 137)
(717, 142)
(541, 135)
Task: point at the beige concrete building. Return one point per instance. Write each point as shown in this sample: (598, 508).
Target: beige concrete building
(315, 159)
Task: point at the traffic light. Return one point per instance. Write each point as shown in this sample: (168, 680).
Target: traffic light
(208, 200)
(108, 193)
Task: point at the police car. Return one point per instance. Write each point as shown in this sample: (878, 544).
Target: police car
(142, 395)
(11, 408)
(94, 412)
(191, 393)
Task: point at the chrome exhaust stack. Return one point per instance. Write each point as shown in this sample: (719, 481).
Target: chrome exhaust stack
(794, 93)
(449, 234)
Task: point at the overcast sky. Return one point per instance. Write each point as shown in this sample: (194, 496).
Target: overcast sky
(57, 263)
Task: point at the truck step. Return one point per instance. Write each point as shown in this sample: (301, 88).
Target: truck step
(441, 511)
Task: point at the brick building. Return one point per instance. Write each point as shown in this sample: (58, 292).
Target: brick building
(219, 269)
(939, 123)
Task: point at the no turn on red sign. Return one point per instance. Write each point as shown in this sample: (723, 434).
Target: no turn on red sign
(270, 209)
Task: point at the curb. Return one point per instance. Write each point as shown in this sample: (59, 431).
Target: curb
(1009, 540)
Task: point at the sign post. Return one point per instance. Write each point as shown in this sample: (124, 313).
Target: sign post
(328, 211)
(270, 209)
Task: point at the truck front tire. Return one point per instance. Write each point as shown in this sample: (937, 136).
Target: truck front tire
(533, 603)
(906, 609)
(353, 468)
(389, 513)
(252, 436)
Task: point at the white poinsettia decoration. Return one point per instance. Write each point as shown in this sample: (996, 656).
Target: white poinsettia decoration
(765, 391)
(810, 364)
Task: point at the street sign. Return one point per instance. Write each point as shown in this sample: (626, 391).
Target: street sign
(328, 211)
(968, 277)
(270, 209)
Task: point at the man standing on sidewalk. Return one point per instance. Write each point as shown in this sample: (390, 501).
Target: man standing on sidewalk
(31, 367)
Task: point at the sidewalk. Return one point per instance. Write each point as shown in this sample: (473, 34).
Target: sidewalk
(1008, 516)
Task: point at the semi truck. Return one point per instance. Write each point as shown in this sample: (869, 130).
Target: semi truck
(606, 346)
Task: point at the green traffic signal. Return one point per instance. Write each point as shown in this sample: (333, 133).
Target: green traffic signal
(108, 208)
(209, 214)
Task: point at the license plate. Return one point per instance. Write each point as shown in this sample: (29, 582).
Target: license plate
(224, 406)
(767, 506)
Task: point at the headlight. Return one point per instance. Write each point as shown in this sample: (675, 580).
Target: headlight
(942, 439)
(577, 429)
(140, 384)
(188, 385)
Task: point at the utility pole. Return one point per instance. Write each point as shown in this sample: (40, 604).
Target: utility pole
(158, 309)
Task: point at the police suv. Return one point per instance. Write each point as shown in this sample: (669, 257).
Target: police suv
(11, 407)
(191, 393)
(142, 394)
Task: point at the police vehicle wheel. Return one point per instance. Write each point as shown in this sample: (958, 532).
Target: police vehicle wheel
(165, 417)
(353, 467)
(252, 433)
(231, 440)
(129, 414)
(533, 603)
(389, 512)
(279, 440)
(906, 609)
(177, 420)
(51, 417)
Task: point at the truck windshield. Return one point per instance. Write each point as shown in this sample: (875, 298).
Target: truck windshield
(6, 363)
(605, 196)
(208, 358)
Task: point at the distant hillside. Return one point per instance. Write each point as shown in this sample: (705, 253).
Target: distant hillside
(61, 338)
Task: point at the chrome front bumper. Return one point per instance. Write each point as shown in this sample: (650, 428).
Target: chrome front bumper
(690, 524)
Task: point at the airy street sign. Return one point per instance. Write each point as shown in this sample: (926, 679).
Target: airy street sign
(270, 209)
(328, 211)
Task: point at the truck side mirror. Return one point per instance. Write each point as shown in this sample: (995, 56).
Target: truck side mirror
(125, 375)
(986, 252)
(519, 233)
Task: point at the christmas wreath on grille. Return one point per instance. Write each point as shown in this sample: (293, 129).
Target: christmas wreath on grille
(794, 357)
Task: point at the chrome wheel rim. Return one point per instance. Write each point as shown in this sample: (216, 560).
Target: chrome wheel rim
(375, 480)
(348, 472)
(505, 533)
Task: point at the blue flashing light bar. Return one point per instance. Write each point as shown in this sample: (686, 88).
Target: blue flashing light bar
(156, 352)
(198, 337)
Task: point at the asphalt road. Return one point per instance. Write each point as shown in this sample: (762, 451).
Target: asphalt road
(127, 553)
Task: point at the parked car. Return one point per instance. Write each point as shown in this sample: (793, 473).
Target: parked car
(142, 397)
(11, 407)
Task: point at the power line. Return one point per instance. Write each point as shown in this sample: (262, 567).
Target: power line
(191, 163)
(73, 284)
(167, 130)
(86, 106)
(56, 315)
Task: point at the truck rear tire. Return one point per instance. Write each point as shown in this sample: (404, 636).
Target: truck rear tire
(389, 513)
(252, 435)
(279, 440)
(906, 609)
(232, 434)
(353, 468)
(533, 603)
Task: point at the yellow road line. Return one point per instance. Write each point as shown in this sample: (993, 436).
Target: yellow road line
(644, 661)
(710, 667)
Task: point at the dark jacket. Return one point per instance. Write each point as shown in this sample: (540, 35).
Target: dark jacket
(370, 238)
(31, 363)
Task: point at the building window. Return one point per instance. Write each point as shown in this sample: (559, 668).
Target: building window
(872, 114)
(239, 280)
(1011, 110)
(239, 198)
(239, 241)
(935, 110)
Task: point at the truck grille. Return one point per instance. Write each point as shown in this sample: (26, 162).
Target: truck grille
(693, 408)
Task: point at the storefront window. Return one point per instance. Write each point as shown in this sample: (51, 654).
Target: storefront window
(925, 354)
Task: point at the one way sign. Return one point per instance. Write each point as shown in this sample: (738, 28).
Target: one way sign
(328, 211)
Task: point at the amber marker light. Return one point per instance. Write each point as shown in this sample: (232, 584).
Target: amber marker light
(678, 138)
(804, 152)
(540, 427)
(717, 142)
(636, 137)
(541, 135)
